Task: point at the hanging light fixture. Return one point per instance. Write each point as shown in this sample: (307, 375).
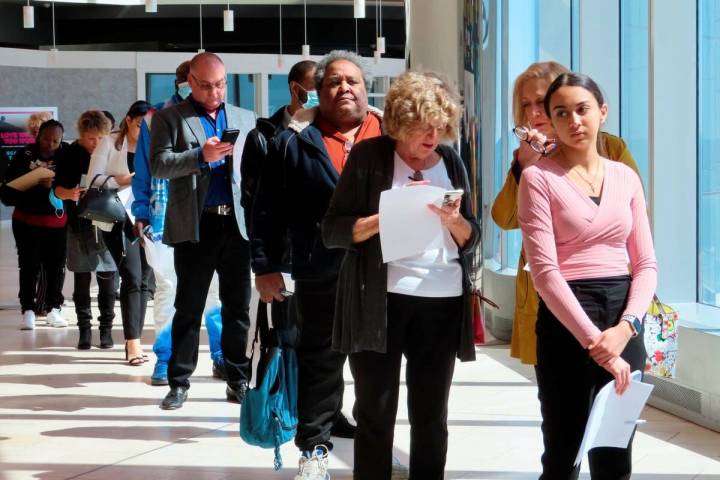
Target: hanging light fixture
(359, 9)
(150, 6)
(376, 55)
(54, 47)
(305, 47)
(228, 19)
(201, 49)
(28, 16)
(280, 55)
(380, 44)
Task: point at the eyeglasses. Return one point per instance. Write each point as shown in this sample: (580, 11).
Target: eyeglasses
(417, 176)
(523, 133)
(219, 85)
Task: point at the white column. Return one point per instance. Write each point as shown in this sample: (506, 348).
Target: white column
(673, 146)
(435, 39)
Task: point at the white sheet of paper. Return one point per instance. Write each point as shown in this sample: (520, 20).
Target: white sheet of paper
(126, 197)
(407, 226)
(613, 417)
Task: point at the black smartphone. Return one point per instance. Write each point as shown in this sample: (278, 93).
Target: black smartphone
(230, 135)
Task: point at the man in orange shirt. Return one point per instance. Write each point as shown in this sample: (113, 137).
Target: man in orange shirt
(296, 184)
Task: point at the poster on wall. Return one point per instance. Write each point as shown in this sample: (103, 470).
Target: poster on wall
(14, 130)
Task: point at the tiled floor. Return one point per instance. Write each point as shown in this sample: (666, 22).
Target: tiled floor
(67, 414)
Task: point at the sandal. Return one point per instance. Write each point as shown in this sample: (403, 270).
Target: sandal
(136, 361)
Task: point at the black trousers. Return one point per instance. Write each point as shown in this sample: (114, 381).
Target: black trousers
(105, 298)
(427, 332)
(135, 278)
(221, 248)
(568, 380)
(40, 247)
(320, 368)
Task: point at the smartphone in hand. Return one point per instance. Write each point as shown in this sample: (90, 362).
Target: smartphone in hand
(230, 135)
(451, 196)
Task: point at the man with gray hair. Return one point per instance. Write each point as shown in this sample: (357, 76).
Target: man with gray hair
(296, 184)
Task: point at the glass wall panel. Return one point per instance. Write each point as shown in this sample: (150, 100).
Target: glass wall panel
(634, 53)
(709, 152)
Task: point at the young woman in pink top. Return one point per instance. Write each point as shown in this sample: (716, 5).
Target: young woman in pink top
(582, 217)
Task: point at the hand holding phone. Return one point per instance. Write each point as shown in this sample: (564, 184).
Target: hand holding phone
(230, 135)
(451, 196)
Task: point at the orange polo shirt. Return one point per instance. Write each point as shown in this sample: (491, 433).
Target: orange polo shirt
(338, 145)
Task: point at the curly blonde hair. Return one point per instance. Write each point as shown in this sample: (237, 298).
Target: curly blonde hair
(420, 100)
(93, 121)
(547, 71)
(35, 120)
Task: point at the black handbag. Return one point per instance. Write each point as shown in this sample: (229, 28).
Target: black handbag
(101, 204)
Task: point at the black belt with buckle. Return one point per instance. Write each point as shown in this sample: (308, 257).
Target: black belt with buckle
(223, 210)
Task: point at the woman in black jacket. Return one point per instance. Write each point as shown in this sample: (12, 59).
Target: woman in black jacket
(38, 228)
(86, 251)
(419, 305)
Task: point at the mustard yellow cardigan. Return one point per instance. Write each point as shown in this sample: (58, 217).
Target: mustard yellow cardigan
(504, 212)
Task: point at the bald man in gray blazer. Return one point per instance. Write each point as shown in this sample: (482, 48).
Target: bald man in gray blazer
(205, 223)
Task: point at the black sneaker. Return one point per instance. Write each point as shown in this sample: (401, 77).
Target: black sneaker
(174, 399)
(342, 428)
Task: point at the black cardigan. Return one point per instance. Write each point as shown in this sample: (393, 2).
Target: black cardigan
(361, 307)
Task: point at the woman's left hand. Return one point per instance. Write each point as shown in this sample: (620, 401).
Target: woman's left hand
(449, 214)
(610, 343)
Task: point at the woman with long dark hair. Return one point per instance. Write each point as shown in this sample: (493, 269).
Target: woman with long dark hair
(114, 158)
(582, 216)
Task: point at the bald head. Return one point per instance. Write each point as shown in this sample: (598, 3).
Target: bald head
(207, 80)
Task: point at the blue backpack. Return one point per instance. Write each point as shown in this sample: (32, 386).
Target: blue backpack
(268, 417)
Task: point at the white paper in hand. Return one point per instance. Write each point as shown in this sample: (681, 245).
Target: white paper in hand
(126, 198)
(407, 226)
(613, 417)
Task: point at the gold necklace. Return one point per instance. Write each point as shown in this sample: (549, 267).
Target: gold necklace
(591, 183)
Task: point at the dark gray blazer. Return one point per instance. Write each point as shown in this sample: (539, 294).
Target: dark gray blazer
(177, 137)
(361, 305)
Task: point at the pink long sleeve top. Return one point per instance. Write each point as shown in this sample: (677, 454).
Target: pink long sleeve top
(567, 236)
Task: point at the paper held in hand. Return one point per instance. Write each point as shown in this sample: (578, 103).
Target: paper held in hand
(31, 179)
(613, 417)
(407, 225)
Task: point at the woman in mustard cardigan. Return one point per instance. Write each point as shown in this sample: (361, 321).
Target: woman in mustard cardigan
(528, 111)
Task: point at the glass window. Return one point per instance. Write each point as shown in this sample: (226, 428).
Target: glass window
(240, 89)
(634, 82)
(159, 87)
(278, 93)
(709, 152)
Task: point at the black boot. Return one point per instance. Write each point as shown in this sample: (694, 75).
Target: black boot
(84, 339)
(106, 340)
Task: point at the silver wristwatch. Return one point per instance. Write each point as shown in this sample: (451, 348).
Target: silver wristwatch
(634, 322)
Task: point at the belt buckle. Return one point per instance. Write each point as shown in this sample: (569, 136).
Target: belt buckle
(224, 210)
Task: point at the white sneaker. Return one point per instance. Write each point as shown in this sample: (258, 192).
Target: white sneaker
(55, 319)
(315, 467)
(28, 320)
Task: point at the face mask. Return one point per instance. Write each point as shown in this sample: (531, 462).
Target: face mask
(312, 99)
(184, 90)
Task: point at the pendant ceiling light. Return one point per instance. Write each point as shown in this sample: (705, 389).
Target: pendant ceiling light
(359, 9)
(28, 16)
(150, 6)
(306, 46)
(380, 45)
(228, 19)
(201, 49)
(280, 55)
(54, 47)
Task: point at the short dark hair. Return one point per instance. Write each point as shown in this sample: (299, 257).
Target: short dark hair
(299, 71)
(52, 123)
(182, 72)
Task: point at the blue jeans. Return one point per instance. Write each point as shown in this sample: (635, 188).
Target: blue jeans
(213, 322)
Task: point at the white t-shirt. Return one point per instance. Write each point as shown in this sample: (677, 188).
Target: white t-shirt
(437, 272)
